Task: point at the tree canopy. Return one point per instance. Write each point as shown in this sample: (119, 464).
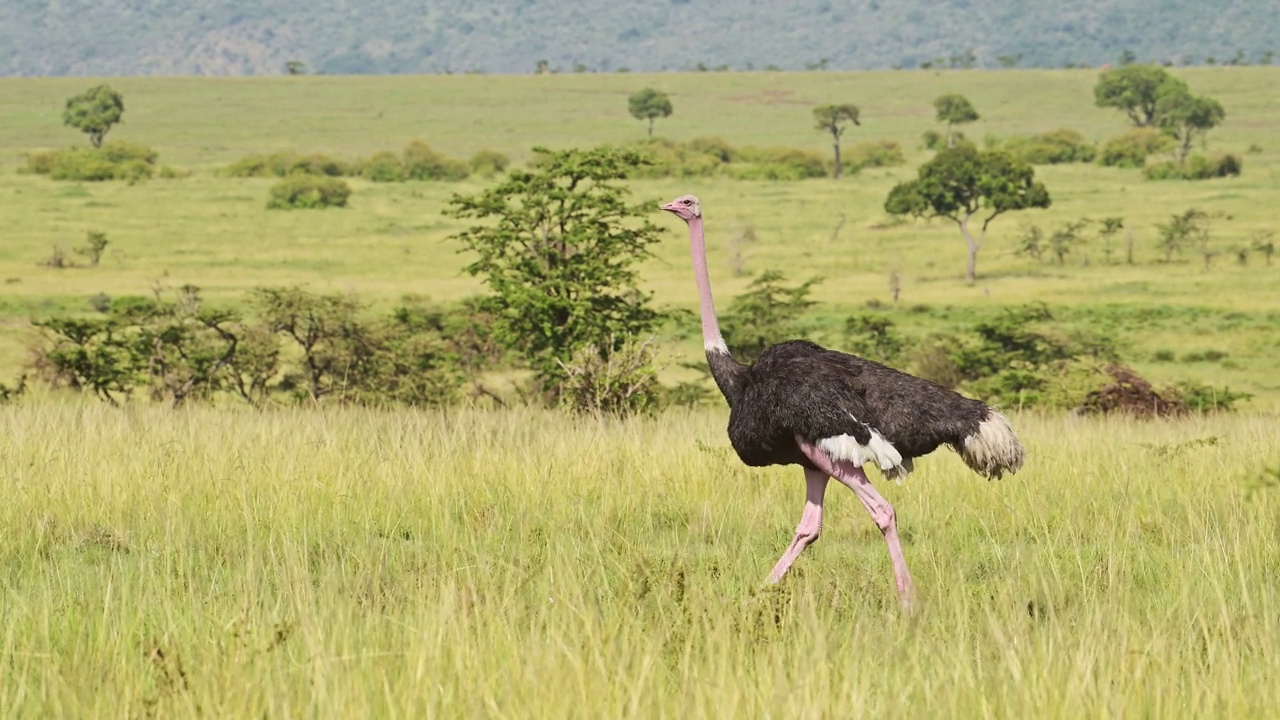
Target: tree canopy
(94, 112)
(954, 109)
(558, 250)
(1135, 90)
(835, 119)
(649, 104)
(1184, 117)
(961, 182)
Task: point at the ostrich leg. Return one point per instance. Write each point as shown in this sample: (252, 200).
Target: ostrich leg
(810, 526)
(881, 511)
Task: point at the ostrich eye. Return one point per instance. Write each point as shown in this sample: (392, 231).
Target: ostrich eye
(687, 202)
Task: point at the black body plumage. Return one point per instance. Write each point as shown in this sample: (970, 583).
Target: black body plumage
(801, 388)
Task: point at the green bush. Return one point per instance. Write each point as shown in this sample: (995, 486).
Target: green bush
(284, 163)
(113, 161)
(422, 163)
(383, 166)
(1051, 148)
(714, 146)
(934, 140)
(696, 158)
(779, 163)
(308, 192)
(488, 163)
(873, 154)
(1132, 149)
(1196, 167)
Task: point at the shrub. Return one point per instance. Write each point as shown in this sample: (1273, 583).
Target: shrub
(1197, 167)
(1131, 149)
(285, 163)
(319, 164)
(423, 163)
(1206, 399)
(307, 192)
(1051, 148)
(384, 166)
(934, 140)
(171, 173)
(714, 146)
(779, 163)
(113, 161)
(619, 381)
(873, 154)
(672, 159)
(488, 163)
(768, 313)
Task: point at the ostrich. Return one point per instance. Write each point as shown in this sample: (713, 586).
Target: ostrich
(832, 413)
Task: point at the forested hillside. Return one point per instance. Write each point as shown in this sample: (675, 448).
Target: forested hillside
(236, 37)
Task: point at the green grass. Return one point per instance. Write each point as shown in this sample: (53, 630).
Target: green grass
(216, 232)
(526, 564)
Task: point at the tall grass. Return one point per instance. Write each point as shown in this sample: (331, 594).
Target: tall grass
(350, 563)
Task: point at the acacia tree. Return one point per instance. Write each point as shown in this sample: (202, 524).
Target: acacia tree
(558, 252)
(954, 109)
(649, 104)
(963, 182)
(1184, 117)
(94, 112)
(835, 119)
(1135, 89)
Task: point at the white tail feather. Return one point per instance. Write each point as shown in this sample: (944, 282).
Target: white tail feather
(993, 449)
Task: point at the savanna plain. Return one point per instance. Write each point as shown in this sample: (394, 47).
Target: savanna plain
(217, 560)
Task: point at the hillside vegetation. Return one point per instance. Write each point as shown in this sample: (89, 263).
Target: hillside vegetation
(233, 37)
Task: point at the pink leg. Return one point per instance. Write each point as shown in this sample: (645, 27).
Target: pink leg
(881, 511)
(810, 526)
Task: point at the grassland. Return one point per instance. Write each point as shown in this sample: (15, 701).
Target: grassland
(524, 564)
(216, 233)
(347, 563)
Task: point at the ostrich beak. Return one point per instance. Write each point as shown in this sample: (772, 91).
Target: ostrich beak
(669, 207)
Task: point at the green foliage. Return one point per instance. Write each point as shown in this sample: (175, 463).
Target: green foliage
(1196, 167)
(1051, 148)
(934, 140)
(712, 156)
(423, 163)
(113, 161)
(875, 154)
(1188, 229)
(1132, 149)
(961, 182)
(94, 112)
(767, 313)
(954, 109)
(649, 104)
(489, 163)
(402, 359)
(873, 337)
(1203, 398)
(285, 163)
(615, 381)
(306, 192)
(558, 253)
(1135, 90)
(95, 243)
(383, 166)
(1185, 117)
(834, 120)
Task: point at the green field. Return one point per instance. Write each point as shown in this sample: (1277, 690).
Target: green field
(215, 232)
(339, 562)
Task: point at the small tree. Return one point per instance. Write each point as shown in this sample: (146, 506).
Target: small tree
(1062, 240)
(295, 67)
(1135, 89)
(559, 257)
(649, 104)
(1184, 117)
(1110, 227)
(95, 242)
(1264, 242)
(835, 119)
(1189, 228)
(94, 111)
(766, 314)
(962, 182)
(954, 109)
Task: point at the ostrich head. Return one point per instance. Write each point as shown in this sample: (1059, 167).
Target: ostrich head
(685, 207)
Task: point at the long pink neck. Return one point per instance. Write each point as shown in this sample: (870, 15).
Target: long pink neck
(711, 338)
